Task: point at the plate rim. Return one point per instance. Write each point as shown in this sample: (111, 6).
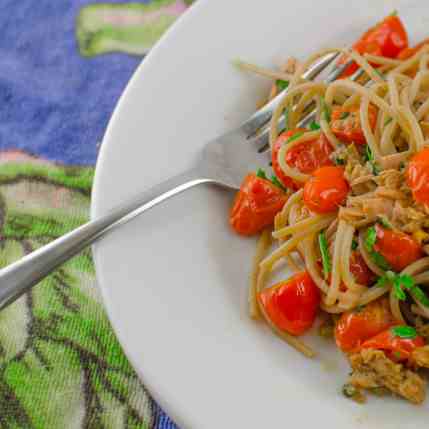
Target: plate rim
(167, 407)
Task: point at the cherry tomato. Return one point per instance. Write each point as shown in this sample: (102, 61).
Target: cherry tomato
(292, 304)
(387, 39)
(325, 190)
(409, 52)
(255, 205)
(306, 156)
(362, 274)
(346, 124)
(356, 326)
(396, 348)
(418, 176)
(398, 248)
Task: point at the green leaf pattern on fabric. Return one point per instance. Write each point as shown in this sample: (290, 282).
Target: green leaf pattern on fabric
(60, 363)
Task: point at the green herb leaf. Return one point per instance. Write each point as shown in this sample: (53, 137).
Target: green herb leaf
(384, 222)
(286, 118)
(355, 244)
(381, 281)
(369, 156)
(379, 73)
(261, 173)
(359, 308)
(388, 277)
(344, 115)
(326, 111)
(398, 291)
(324, 251)
(419, 295)
(407, 332)
(379, 260)
(314, 126)
(281, 84)
(375, 168)
(406, 280)
(295, 136)
(370, 239)
(388, 121)
(339, 161)
(277, 182)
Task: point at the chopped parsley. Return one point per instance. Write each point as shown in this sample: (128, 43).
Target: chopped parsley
(388, 121)
(286, 118)
(295, 136)
(314, 126)
(406, 332)
(379, 73)
(261, 174)
(371, 238)
(326, 111)
(324, 251)
(344, 115)
(281, 84)
(355, 244)
(384, 222)
(377, 258)
(274, 180)
(419, 295)
(339, 161)
(277, 182)
(401, 283)
(369, 156)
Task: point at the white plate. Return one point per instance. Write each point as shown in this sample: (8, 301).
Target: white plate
(175, 280)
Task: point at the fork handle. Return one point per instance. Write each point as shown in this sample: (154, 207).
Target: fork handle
(21, 276)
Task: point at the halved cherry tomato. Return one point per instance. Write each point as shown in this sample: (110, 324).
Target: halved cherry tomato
(356, 326)
(398, 248)
(326, 190)
(387, 39)
(409, 52)
(396, 348)
(418, 176)
(346, 124)
(292, 304)
(306, 156)
(255, 205)
(362, 274)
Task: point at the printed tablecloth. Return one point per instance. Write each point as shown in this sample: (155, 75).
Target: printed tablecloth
(63, 66)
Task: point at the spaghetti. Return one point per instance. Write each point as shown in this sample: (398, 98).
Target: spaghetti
(363, 248)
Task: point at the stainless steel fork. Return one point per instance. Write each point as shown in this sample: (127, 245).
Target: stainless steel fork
(223, 161)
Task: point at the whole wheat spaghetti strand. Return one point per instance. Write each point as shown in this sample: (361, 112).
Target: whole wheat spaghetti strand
(262, 247)
(334, 287)
(271, 74)
(293, 229)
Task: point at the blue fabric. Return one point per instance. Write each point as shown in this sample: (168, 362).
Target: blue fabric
(53, 102)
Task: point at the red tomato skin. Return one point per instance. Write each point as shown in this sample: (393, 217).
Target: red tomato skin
(326, 190)
(417, 175)
(355, 327)
(409, 52)
(349, 130)
(292, 305)
(306, 156)
(396, 348)
(398, 248)
(387, 39)
(362, 274)
(255, 205)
